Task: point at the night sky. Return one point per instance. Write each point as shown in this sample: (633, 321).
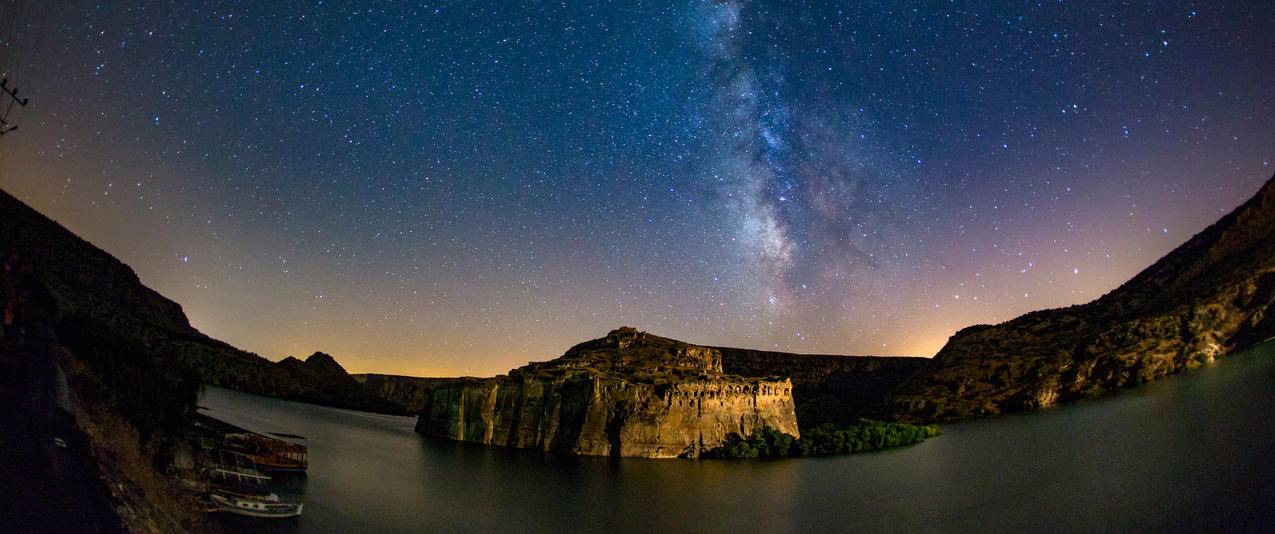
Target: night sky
(458, 188)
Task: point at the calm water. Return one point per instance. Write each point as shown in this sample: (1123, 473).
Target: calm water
(1192, 452)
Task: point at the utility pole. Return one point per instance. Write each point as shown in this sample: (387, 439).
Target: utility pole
(12, 92)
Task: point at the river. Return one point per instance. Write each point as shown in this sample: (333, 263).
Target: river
(1188, 453)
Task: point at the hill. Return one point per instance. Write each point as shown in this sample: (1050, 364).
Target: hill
(1208, 298)
(88, 284)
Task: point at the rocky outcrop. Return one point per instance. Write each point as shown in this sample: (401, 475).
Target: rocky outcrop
(87, 413)
(88, 285)
(826, 388)
(627, 394)
(1208, 298)
(325, 382)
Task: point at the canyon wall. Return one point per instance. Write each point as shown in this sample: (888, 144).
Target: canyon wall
(88, 285)
(628, 394)
(1210, 297)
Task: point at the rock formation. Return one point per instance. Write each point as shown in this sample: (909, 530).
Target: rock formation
(86, 413)
(1208, 298)
(89, 285)
(324, 381)
(627, 394)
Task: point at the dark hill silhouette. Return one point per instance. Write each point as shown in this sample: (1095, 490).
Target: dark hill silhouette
(90, 284)
(1208, 298)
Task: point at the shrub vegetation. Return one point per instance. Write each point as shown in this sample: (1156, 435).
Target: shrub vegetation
(825, 440)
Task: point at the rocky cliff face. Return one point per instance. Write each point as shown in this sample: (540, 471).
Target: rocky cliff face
(89, 285)
(627, 394)
(1210, 297)
(87, 411)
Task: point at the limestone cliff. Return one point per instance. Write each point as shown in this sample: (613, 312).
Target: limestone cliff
(627, 394)
(1208, 298)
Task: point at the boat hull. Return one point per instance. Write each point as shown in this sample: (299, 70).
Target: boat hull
(253, 508)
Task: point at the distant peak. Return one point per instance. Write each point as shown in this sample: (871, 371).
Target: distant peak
(320, 357)
(324, 361)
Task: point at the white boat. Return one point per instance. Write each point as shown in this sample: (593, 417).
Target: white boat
(255, 506)
(238, 487)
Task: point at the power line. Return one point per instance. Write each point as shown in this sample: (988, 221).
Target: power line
(5, 125)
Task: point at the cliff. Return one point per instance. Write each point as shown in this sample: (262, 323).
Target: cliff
(88, 284)
(88, 414)
(826, 388)
(1208, 298)
(627, 394)
(406, 392)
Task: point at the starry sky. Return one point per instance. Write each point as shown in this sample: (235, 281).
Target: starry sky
(460, 187)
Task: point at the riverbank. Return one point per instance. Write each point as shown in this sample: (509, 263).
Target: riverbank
(824, 440)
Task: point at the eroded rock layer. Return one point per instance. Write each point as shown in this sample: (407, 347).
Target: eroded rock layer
(627, 394)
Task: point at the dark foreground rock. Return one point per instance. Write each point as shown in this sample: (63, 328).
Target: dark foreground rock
(89, 284)
(85, 428)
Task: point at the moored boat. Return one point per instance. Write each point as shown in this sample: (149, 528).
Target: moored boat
(270, 453)
(268, 506)
(266, 452)
(239, 469)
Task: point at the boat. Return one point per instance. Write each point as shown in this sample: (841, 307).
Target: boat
(269, 453)
(234, 461)
(266, 452)
(240, 473)
(237, 486)
(264, 506)
(233, 467)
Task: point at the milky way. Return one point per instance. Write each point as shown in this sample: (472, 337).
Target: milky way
(458, 188)
(813, 201)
